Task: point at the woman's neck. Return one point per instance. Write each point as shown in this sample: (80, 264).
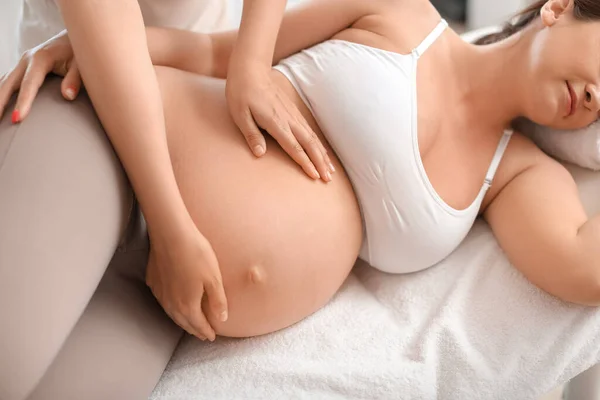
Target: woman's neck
(489, 81)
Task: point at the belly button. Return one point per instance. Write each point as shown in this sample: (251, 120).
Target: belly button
(256, 275)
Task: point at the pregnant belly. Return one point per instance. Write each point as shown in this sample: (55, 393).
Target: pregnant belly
(285, 243)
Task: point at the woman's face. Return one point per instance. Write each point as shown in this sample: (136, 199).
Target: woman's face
(565, 61)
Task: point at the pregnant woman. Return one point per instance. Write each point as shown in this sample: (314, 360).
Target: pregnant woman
(417, 125)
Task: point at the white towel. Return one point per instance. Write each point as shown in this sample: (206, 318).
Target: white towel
(470, 328)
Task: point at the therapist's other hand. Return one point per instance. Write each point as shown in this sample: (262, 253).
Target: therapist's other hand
(255, 101)
(180, 272)
(53, 56)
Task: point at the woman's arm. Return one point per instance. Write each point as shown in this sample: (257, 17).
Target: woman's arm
(301, 27)
(109, 43)
(541, 225)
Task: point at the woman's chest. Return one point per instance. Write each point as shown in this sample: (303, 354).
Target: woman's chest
(387, 118)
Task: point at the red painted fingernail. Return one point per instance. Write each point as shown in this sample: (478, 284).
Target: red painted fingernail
(16, 116)
(70, 93)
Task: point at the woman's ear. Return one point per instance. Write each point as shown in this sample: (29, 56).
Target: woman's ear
(553, 10)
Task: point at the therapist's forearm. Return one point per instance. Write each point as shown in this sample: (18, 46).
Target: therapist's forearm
(109, 42)
(258, 31)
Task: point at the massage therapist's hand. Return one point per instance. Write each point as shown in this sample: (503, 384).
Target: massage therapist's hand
(56, 56)
(179, 273)
(256, 101)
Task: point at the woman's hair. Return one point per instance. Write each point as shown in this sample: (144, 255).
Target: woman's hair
(584, 10)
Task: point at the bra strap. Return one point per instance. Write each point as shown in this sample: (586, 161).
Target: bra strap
(489, 177)
(428, 41)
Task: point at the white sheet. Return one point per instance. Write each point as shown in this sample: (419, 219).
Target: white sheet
(470, 328)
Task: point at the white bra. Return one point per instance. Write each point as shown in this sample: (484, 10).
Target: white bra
(365, 102)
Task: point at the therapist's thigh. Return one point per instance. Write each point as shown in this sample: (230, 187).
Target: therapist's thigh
(585, 386)
(64, 204)
(122, 342)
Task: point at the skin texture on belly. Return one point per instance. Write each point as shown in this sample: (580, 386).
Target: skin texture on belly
(285, 243)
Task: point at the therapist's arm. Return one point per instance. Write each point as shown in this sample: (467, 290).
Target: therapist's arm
(109, 43)
(255, 101)
(257, 34)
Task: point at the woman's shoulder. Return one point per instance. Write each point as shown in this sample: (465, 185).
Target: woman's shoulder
(423, 8)
(403, 22)
(520, 156)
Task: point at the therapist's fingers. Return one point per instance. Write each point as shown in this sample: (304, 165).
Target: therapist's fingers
(269, 116)
(71, 84)
(182, 322)
(326, 157)
(34, 77)
(254, 138)
(312, 146)
(217, 300)
(196, 318)
(10, 83)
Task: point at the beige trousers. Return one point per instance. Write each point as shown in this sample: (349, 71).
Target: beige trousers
(76, 319)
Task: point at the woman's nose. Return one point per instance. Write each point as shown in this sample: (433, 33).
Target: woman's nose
(591, 99)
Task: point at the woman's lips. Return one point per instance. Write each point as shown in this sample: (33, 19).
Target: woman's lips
(572, 104)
